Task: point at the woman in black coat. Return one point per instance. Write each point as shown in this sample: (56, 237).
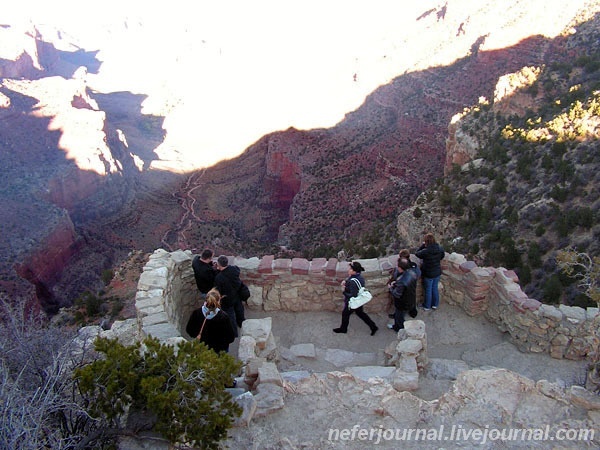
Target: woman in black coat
(431, 270)
(210, 324)
(351, 287)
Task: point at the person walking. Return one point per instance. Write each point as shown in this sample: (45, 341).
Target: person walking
(404, 291)
(204, 271)
(431, 269)
(351, 286)
(210, 324)
(228, 284)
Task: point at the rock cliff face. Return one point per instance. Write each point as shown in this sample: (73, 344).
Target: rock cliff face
(48, 259)
(356, 177)
(66, 170)
(95, 156)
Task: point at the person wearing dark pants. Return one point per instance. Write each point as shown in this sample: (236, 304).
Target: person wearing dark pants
(404, 291)
(228, 284)
(351, 288)
(431, 253)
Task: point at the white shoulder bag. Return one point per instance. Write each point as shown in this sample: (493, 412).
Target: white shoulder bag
(363, 297)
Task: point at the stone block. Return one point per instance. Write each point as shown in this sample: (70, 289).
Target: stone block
(338, 357)
(269, 398)
(162, 331)
(270, 350)
(331, 268)
(551, 312)
(246, 348)
(407, 364)
(259, 329)
(248, 404)
(582, 397)
(268, 373)
(153, 279)
(574, 314)
(282, 264)
(404, 381)
(266, 264)
(409, 347)
(415, 329)
(252, 366)
(295, 376)
(300, 266)
(304, 350)
(159, 317)
(317, 266)
(367, 372)
(446, 369)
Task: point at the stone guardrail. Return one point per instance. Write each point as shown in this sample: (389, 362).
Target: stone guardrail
(167, 295)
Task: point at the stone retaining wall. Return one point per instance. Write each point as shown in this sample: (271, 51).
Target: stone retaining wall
(167, 295)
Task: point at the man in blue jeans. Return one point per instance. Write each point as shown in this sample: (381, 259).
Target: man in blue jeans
(431, 269)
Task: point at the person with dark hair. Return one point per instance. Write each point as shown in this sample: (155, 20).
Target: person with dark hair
(210, 324)
(432, 254)
(351, 286)
(395, 274)
(204, 271)
(404, 291)
(228, 284)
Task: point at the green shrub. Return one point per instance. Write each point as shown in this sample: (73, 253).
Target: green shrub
(540, 230)
(534, 255)
(107, 276)
(182, 388)
(552, 290)
(524, 275)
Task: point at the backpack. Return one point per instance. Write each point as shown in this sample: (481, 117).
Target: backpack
(244, 292)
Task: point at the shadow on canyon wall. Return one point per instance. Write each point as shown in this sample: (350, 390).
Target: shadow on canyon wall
(303, 189)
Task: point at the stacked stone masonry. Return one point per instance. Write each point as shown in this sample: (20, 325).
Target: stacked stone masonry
(167, 295)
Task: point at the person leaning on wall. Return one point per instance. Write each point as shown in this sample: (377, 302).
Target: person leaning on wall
(228, 283)
(431, 254)
(204, 271)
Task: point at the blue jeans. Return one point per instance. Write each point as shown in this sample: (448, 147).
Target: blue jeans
(432, 296)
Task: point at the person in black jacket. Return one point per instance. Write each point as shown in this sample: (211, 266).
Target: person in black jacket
(431, 269)
(228, 283)
(395, 274)
(210, 324)
(351, 288)
(204, 271)
(404, 291)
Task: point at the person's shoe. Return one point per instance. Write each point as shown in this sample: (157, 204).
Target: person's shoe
(426, 309)
(374, 330)
(390, 326)
(339, 330)
(434, 307)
